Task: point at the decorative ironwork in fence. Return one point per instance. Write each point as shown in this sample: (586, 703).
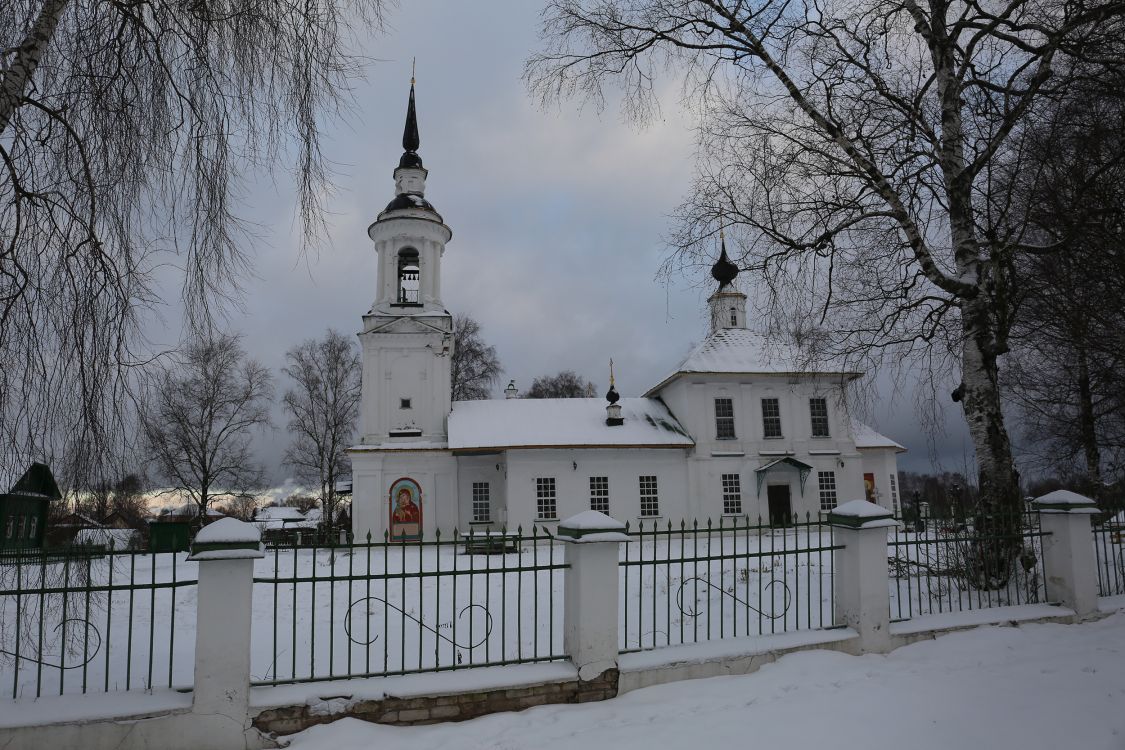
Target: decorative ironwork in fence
(944, 563)
(94, 619)
(390, 608)
(1109, 546)
(697, 582)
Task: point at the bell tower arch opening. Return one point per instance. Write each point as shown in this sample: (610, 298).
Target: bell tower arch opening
(409, 277)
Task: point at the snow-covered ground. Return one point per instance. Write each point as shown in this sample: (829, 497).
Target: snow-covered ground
(1039, 686)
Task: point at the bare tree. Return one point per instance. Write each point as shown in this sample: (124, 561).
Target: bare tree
(129, 500)
(475, 368)
(1069, 339)
(567, 384)
(854, 148)
(323, 407)
(199, 419)
(127, 130)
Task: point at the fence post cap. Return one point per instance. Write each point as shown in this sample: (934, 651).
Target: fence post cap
(592, 526)
(861, 514)
(227, 539)
(1065, 501)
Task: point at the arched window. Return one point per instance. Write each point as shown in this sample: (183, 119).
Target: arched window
(408, 277)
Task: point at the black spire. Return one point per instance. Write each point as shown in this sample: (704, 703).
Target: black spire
(410, 138)
(724, 271)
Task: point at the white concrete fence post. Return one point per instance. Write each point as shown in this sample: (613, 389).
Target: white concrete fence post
(862, 589)
(591, 591)
(226, 551)
(1069, 560)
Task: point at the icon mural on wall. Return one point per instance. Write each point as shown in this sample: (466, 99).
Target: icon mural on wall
(869, 487)
(406, 511)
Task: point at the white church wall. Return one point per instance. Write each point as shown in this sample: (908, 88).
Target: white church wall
(489, 469)
(373, 474)
(572, 470)
(398, 366)
(882, 464)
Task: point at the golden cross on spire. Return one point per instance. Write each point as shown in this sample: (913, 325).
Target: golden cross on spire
(413, 66)
(611, 372)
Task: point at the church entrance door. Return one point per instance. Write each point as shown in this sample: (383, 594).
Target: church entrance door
(781, 508)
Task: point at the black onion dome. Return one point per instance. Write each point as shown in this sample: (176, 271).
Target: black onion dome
(724, 271)
(409, 200)
(612, 396)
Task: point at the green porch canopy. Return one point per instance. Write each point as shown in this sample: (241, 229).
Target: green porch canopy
(803, 470)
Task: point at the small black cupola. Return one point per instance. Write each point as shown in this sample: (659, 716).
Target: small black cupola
(723, 271)
(613, 416)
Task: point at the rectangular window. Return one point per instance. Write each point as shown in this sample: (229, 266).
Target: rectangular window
(482, 503)
(826, 483)
(894, 495)
(818, 410)
(650, 501)
(545, 503)
(732, 495)
(599, 494)
(771, 418)
(724, 419)
(404, 403)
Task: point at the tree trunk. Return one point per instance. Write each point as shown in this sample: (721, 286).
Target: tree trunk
(1087, 424)
(997, 520)
(26, 58)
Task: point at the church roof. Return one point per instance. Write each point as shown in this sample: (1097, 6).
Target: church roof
(740, 351)
(866, 437)
(562, 422)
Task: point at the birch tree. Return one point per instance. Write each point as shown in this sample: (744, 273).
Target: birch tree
(323, 406)
(474, 367)
(127, 131)
(198, 422)
(853, 148)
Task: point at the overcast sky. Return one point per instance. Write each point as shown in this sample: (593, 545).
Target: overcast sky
(557, 217)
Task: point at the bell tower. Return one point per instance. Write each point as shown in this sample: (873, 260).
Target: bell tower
(407, 335)
(728, 305)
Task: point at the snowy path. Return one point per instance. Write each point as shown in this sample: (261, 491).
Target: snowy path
(1029, 688)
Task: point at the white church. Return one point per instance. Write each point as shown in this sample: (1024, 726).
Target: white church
(736, 429)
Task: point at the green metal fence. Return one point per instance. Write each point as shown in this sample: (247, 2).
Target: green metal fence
(956, 561)
(389, 608)
(95, 619)
(1109, 546)
(690, 582)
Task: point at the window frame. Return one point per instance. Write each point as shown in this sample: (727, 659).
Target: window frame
(486, 517)
(724, 422)
(776, 416)
(599, 494)
(546, 497)
(822, 402)
(731, 484)
(648, 486)
(827, 490)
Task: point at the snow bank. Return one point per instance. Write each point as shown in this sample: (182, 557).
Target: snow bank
(1036, 687)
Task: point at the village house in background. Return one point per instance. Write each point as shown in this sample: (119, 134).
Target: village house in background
(741, 427)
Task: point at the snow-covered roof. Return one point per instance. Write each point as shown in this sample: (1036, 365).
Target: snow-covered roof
(866, 437)
(279, 513)
(558, 422)
(741, 351)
